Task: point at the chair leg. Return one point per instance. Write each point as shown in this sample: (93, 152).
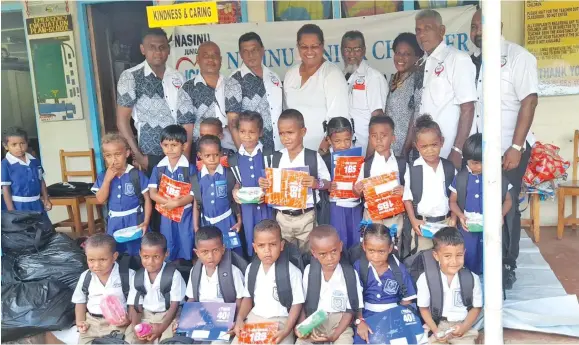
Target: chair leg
(77, 220)
(90, 218)
(561, 213)
(574, 212)
(536, 204)
(70, 216)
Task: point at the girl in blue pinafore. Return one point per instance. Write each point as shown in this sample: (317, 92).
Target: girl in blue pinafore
(216, 202)
(250, 167)
(115, 188)
(23, 186)
(180, 236)
(345, 214)
(473, 241)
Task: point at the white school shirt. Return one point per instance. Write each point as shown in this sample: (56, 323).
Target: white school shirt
(449, 81)
(154, 301)
(477, 121)
(368, 91)
(299, 161)
(322, 97)
(452, 306)
(381, 166)
(434, 202)
(333, 293)
(209, 290)
(96, 290)
(265, 300)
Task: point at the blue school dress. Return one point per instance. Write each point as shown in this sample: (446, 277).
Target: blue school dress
(25, 181)
(249, 169)
(180, 236)
(473, 241)
(216, 204)
(382, 293)
(123, 206)
(345, 216)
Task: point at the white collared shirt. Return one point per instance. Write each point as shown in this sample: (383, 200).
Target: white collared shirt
(96, 290)
(205, 171)
(299, 161)
(322, 97)
(434, 202)
(13, 160)
(334, 293)
(449, 81)
(452, 307)
(243, 152)
(209, 290)
(368, 92)
(154, 301)
(478, 107)
(265, 300)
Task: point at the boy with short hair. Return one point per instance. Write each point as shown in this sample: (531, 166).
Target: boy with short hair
(210, 126)
(454, 324)
(266, 303)
(332, 285)
(296, 224)
(105, 280)
(149, 301)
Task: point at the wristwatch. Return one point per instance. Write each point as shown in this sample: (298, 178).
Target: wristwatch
(359, 321)
(518, 148)
(454, 148)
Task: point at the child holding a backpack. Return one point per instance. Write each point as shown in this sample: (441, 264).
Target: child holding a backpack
(385, 281)
(273, 286)
(332, 285)
(467, 196)
(451, 312)
(213, 187)
(247, 165)
(157, 290)
(426, 191)
(125, 191)
(175, 166)
(103, 278)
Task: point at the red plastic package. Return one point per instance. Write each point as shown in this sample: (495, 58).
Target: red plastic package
(113, 310)
(544, 165)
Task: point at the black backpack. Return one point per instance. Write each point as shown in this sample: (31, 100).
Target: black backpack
(165, 286)
(290, 253)
(233, 161)
(126, 263)
(116, 337)
(231, 181)
(321, 208)
(136, 182)
(68, 189)
(315, 282)
(461, 182)
(424, 262)
(226, 283)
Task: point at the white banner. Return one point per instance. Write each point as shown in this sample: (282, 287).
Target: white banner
(280, 39)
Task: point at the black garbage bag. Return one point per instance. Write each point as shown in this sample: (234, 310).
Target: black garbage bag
(25, 232)
(35, 307)
(61, 259)
(8, 274)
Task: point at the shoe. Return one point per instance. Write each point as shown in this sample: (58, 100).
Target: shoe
(510, 280)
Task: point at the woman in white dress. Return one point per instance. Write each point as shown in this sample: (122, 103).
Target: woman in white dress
(315, 87)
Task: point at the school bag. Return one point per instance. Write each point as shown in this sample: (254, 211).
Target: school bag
(424, 262)
(461, 182)
(178, 339)
(321, 208)
(115, 337)
(290, 253)
(196, 189)
(164, 286)
(125, 262)
(233, 161)
(226, 283)
(401, 167)
(136, 182)
(315, 283)
(68, 189)
(408, 246)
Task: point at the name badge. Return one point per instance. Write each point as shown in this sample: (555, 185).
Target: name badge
(360, 83)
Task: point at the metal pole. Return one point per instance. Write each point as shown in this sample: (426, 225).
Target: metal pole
(492, 173)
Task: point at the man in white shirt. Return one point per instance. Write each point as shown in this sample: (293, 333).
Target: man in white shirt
(261, 89)
(449, 90)
(367, 87)
(519, 88)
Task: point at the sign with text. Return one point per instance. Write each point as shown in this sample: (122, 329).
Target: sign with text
(49, 25)
(191, 13)
(552, 36)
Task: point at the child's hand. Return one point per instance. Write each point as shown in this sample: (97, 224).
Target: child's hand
(398, 190)
(463, 220)
(110, 174)
(47, 205)
(459, 330)
(170, 204)
(239, 326)
(82, 327)
(359, 188)
(236, 227)
(452, 221)
(280, 336)
(299, 335)
(263, 183)
(310, 182)
(416, 226)
(174, 327)
(235, 197)
(364, 331)
(156, 332)
(318, 337)
(143, 226)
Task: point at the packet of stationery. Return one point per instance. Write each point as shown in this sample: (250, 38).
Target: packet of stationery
(313, 321)
(250, 195)
(474, 221)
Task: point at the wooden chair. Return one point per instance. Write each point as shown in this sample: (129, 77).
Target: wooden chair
(534, 220)
(73, 203)
(569, 188)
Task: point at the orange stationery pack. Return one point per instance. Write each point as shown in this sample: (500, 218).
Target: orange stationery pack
(286, 188)
(381, 201)
(346, 171)
(258, 333)
(171, 189)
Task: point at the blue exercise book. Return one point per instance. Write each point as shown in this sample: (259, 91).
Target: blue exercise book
(231, 239)
(396, 326)
(353, 152)
(206, 320)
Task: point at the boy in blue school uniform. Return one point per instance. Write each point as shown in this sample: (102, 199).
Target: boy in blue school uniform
(216, 208)
(23, 186)
(176, 166)
(115, 188)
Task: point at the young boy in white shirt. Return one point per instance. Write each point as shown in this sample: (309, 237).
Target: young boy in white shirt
(101, 279)
(459, 308)
(296, 224)
(332, 285)
(277, 294)
(156, 293)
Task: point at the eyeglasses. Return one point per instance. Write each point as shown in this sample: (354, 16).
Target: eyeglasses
(353, 50)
